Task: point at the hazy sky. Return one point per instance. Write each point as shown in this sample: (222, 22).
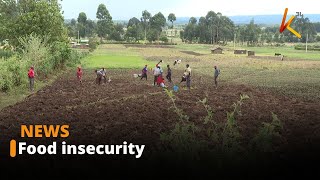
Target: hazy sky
(125, 9)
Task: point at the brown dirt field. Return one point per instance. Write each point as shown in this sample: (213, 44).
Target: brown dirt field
(147, 46)
(192, 53)
(128, 109)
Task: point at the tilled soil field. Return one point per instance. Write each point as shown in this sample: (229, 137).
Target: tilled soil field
(133, 110)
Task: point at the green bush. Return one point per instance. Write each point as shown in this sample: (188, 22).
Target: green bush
(164, 39)
(6, 53)
(46, 58)
(93, 43)
(5, 83)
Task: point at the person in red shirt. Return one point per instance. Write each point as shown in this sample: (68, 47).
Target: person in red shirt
(161, 82)
(79, 74)
(31, 78)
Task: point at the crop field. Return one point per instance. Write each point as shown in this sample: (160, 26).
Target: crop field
(131, 109)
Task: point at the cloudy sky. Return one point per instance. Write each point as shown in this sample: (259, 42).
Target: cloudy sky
(125, 9)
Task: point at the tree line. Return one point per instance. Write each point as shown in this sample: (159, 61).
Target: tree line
(147, 27)
(215, 28)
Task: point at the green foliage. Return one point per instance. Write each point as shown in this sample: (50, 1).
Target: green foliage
(12, 73)
(93, 44)
(225, 137)
(104, 24)
(310, 47)
(172, 18)
(82, 18)
(152, 35)
(40, 17)
(36, 51)
(157, 22)
(164, 39)
(6, 53)
(267, 134)
(146, 16)
(182, 138)
(117, 32)
(231, 135)
(179, 112)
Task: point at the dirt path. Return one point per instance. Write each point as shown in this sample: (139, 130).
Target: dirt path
(128, 109)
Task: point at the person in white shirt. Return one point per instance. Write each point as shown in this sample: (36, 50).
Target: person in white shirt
(187, 76)
(157, 72)
(103, 73)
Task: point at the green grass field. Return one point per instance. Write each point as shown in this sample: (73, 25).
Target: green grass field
(113, 62)
(113, 57)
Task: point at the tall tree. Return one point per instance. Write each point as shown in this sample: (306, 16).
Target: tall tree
(104, 24)
(134, 30)
(90, 28)
(172, 18)
(82, 18)
(157, 22)
(82, 21)
(211, 20)
(146, 16)
(43, 18)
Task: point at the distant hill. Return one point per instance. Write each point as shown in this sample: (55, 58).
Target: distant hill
(258, 19)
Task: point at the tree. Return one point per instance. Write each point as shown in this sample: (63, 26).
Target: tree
(211, 20)
(213, 28)
(133, 21)
(81, 26)
(104, 24)
(134, 30)
(152, 35)
(204, 34)
(82, 18)
(157, 22)
(117, 32)
(90, 28)
(9, 11)
(146, 16)
(43, 18)
(73, 22)
(193, 20)
(191, 30)
(172, 18)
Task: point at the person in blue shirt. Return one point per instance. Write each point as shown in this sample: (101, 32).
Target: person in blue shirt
(145, 72)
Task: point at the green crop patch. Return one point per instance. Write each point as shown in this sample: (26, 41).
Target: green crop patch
(114, 62)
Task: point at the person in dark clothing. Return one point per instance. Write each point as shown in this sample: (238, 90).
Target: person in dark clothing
(144, 73)
(169, 74)
(216, 75)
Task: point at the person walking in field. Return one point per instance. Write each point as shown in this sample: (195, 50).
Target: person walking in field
(157, 72)
(187, 76)
(216, 75)
(169, 74)
(145, 72)
(99, 77)
(79, 75)
(31, 76)
(104, 75)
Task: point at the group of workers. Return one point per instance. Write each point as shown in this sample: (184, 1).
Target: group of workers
(157, 72)
(159, 78)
